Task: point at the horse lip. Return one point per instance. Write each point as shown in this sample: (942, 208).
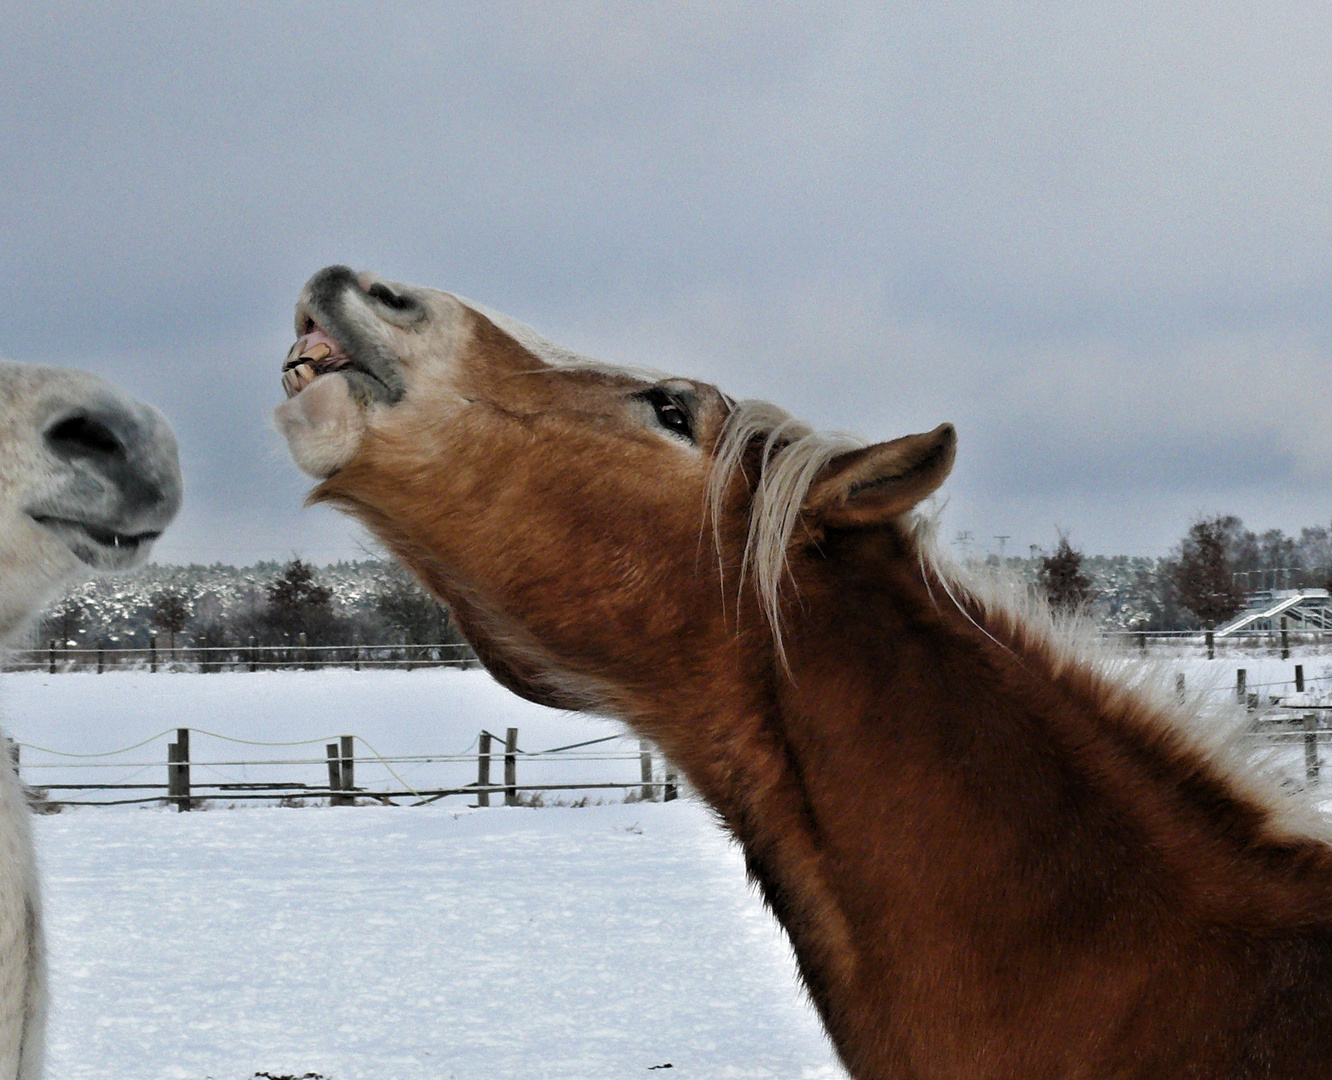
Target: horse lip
(95, 543)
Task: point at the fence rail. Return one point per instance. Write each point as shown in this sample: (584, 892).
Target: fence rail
(55, 658)
(182, 787)
(1279, 641)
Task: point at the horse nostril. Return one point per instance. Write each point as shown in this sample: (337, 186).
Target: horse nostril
(118, 469)
(388, 297)
(82, 436)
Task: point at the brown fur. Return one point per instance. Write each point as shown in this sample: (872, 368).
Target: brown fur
(991, 861)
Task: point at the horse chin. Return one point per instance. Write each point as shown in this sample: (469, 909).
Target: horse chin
(324, 425)
(34, 565)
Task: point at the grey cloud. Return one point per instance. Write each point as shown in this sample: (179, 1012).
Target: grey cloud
(1094, 233)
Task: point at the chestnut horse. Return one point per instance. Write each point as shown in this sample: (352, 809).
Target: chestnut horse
(995, 856)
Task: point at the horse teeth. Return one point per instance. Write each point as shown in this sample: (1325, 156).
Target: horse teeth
(317, 353)
(297, 379)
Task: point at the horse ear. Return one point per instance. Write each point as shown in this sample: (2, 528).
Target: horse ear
(870, 486)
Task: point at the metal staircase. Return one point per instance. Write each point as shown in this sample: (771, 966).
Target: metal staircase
(1299, 609)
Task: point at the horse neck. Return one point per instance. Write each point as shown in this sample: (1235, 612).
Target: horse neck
(929, 788)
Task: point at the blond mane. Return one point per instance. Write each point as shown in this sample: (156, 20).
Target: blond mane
(1133, 690)
(793, 454)
(1007, 610)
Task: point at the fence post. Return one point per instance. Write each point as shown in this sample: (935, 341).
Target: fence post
(173, 756)
(1285, 640)
(253, 653)
(51, 657)
(511, 767)
(483, 769)
(152, 652)
(1211, 651)
(178, 770)
(349, 767)
(670, 793)
(1241, 678)
(356, 658)
(183, 741)
(304, 651)
(334, 775)
(1299, 678)
(645, 770)
(1142, 643)
(101, 657)
(1311, 747)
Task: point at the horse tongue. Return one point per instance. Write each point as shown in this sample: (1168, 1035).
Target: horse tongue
(315, 345)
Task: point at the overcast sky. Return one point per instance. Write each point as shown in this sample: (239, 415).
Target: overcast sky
(1096, 237)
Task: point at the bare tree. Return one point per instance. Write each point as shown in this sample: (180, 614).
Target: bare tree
(413, 612)
(65, 620)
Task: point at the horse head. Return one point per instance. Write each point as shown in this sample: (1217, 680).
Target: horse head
(584, 521)
(89, 478)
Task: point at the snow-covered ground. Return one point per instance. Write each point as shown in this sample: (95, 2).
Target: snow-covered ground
(381, 943)
(405, 942)
(1265, 674)
(390, 943)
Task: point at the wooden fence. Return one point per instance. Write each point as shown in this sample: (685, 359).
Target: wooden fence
(182, 788)
(55, 658)
(1278, 642)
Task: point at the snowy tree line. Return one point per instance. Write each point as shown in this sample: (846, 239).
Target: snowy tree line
(269, 603)
(1203, 581)
(374, 601)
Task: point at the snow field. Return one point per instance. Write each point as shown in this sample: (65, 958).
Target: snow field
(390, 943)
(419, 943)
(378, 943)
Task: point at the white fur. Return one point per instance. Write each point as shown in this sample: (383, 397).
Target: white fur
(35, 562)
(323, 426)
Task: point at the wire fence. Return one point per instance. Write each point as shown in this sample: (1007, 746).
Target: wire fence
(349, 772)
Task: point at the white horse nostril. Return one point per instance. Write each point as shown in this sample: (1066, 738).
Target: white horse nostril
(83, 435)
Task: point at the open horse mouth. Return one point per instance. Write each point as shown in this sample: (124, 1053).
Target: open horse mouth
(338, 320)
(314, 354)
(317, 353)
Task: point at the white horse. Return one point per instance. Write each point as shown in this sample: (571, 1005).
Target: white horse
(89, 478)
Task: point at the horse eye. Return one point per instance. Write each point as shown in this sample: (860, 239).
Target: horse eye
(669, 413)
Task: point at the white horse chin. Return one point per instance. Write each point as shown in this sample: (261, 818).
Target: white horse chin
(34, 566)
(323, 425)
